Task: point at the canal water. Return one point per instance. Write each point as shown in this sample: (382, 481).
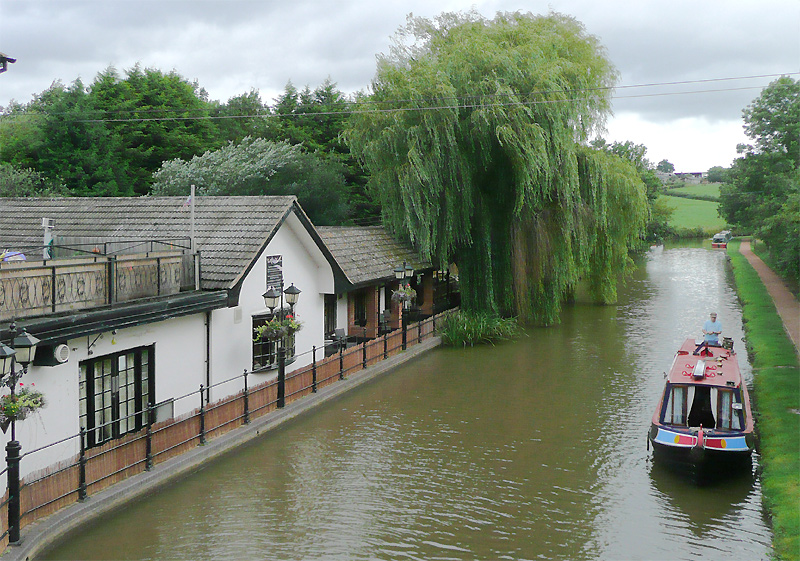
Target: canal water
(534, 449)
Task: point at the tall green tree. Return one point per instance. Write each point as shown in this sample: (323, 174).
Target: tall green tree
(243, 115)
(474, 137)
(666, 166)
(60, 135)
(157, 116)
(718, 174)
(257, 166)
(315, 120)
(762, 195)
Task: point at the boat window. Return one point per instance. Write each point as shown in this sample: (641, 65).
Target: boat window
(675, 412)
(729, 410)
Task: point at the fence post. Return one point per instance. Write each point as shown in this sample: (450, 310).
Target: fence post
(53, 292)
(419, 330)
(314, 369)
(405, 330)
(112, 279)
(364, 351)
(341, 361)
(385, 346)
(246, 400)
(281, 376)
(82, 468)
(148, 454)
(202, 418)
(12, 460)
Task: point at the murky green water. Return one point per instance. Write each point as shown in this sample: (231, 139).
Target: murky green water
(529, 450)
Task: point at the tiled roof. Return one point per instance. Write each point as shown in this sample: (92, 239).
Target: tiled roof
(368, 254)
(229, 231)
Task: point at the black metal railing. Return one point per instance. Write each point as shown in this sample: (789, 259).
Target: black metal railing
(303, 381)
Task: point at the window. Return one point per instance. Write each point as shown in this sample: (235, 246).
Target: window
(675, 410)
(114, 392)
(265, 353)
(330, 315)
(729, 411)
(360, 308)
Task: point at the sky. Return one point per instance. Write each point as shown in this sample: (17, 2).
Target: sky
(687, 68)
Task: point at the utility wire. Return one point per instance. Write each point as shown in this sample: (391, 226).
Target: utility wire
(465, 102)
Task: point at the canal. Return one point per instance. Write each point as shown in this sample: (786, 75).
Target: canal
(534, 449)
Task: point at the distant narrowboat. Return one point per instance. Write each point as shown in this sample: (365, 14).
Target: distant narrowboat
(703, 422)
(721, 239)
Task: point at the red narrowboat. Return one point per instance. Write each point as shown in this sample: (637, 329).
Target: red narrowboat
(721, 239)
(703, 421)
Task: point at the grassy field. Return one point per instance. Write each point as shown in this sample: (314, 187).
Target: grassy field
(777, 405)
(709, 190)
(692, 213)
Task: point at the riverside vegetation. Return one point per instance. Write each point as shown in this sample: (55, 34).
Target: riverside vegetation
(777, 405)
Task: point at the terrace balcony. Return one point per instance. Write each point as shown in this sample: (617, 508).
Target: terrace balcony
(83, 274)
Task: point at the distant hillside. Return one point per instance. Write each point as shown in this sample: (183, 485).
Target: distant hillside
(693, 214)
(706, 192)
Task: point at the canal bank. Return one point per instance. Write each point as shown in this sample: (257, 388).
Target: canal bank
(771, 321)
(40, 535)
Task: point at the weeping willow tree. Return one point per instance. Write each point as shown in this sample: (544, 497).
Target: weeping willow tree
(475, 136)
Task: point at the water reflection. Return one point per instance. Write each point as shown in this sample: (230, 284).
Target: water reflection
(530, 450)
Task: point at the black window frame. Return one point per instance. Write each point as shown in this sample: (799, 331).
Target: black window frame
(106, 374)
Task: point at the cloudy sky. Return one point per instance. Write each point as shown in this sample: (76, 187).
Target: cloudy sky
(687, 67)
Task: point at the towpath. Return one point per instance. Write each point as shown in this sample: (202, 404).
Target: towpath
(787, 305)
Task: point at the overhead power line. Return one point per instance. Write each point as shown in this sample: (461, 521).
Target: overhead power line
(457, 102)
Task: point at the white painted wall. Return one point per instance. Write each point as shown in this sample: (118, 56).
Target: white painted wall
(179, 370)
(305, 266)
(180, 349)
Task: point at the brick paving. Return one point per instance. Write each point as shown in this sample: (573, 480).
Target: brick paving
(787, 305)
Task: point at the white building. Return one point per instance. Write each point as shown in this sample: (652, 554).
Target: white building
(141, 300)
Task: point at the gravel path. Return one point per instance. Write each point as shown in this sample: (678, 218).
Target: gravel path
(787, 305)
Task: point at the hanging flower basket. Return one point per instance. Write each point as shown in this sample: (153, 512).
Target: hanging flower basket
(276, 329)
(404, 294)
(18, 406)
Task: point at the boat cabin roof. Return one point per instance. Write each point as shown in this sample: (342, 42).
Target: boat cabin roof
(714, 366)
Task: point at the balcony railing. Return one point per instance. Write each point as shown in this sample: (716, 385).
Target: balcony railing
(50, 286)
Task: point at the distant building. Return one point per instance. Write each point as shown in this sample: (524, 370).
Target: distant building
(695, 177)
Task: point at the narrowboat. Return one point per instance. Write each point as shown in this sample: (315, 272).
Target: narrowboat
(721, 239)
(703, 423)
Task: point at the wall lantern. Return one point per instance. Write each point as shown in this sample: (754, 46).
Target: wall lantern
(292, 294)
(271, 298)
(6, 359)
(25, 346)
(405, 271)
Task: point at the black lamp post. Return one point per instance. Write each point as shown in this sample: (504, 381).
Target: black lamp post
(272, 298)
(22, 350)
(401, 273)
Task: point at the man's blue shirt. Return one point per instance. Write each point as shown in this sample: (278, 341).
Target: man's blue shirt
(712, 326)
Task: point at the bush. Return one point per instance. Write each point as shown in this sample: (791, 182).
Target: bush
(465, 328)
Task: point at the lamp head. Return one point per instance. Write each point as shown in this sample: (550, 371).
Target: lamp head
(292, 295)
(6, 359)
(271, 298)
(25, 345)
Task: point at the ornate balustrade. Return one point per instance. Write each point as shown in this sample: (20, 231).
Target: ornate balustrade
(35, 288)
